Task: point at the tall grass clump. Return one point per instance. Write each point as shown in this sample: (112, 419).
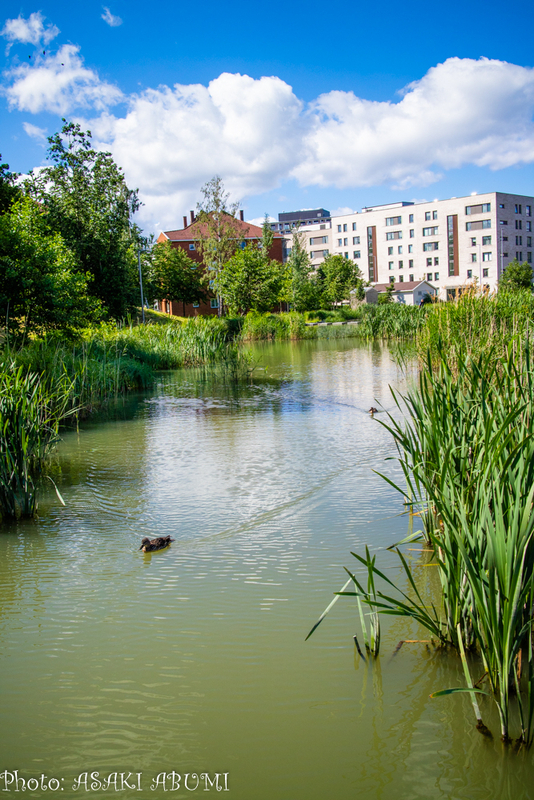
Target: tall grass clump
(467, 453)
(475, 323)
(31, 411)
(290, 325)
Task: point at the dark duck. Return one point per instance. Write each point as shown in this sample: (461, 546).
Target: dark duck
(159, 543)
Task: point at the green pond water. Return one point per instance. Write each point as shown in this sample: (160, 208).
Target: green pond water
(193, 660)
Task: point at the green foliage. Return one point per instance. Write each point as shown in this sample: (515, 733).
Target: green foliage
(250, 280)
(304, 292)
(9, 191)
(467, 453)
(40, 285)
(217, 231)
(31, 409)
(173, 275)
(516, 277)
(87, 201)
(338, 277)
(475, 324)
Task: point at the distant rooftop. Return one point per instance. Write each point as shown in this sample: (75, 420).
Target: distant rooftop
(304, 215)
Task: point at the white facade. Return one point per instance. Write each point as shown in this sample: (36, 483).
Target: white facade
(449, 243)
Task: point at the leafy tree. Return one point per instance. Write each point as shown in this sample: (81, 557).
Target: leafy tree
(339, 276)
(250, 280)
(304, 292)
(9, 191)
(516, 276)
(88, 203)
(387, 296)
(217, 230)
(173, 275)
(41, 287)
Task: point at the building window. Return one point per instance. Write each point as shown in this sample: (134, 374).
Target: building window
(390, 251)
(412, 233)
(357, 254)
(430, 231)
(429, 262)
(345, 228)
(478, 225)
(346, 255)
(518, 209)
(326, 253)
(503, 222)
(399, 249)
(393, 235)
(345, 242)
(410, 278)
(400, 264)
(518, 240)
(486, 241)
(434, 215)
(410, 263)
(410, 218)
(429, 276)
(485, 272)
(529, 241)
(191, 246)
(340, 242)
(473, 257)
(529, 225)
(473, 241)
(430, 246)
(519, 255)
(528, 211)
(354, 227)
(436, 276)
(339, 228)
(371, 258)
(427, 215)
(518, 224)
(501, 205)
(392, 279)
(504, 239)
(214, 303)
(195, 305)
(390, 264)
(529, 257)
(505, 255)
(481, 208)
(355, 240)
(410, 248)
(393, 221)
(436, 262)
(401, 278)
(469, 273)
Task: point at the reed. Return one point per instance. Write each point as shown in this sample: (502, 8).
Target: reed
(467, 453)
(31, 411)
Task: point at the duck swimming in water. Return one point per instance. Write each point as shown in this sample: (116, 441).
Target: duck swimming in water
(373, 410)
(159, 543)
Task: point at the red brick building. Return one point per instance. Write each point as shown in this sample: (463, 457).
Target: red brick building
(187, 238)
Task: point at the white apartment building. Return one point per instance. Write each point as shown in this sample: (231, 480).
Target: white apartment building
(449, 243)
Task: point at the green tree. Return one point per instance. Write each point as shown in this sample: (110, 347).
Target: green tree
(88, 203)
(41, 287)
(173, 275)
(386, 297)
(339, 276)
(516, 276)
(9, 191)
(218, 232)
(304, 290)
(250, 280)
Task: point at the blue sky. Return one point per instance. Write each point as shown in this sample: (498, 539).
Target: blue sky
(321, 104)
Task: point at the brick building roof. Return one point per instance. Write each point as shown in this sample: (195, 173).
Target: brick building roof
(190, 233)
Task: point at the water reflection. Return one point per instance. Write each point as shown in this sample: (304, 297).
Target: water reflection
(194, 658)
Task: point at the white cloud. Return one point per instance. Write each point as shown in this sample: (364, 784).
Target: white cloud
(29, 31)
(34, 131)
(58, 83)
(174, 140)
(110, 18)
(462, 111)
(340, 212)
